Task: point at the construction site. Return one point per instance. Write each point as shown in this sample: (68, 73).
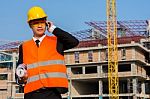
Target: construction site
(87, 64)
(112, 61)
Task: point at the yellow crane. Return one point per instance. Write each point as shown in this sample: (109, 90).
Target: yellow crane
(112, 50)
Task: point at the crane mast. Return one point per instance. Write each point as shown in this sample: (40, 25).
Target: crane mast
(113, 79)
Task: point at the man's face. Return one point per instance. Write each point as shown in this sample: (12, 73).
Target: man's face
(38, 27)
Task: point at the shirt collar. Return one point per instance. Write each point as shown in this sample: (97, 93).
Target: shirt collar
(40, 39)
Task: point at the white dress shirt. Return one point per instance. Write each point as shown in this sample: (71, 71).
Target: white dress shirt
(40, 39)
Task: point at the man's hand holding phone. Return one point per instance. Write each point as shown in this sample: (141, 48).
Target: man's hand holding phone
(50, 26)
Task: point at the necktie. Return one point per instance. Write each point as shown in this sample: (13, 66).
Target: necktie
(37, 42)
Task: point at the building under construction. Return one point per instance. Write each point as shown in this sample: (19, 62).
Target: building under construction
(87, 64)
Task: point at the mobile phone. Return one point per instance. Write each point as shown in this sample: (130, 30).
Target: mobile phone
(48, 24)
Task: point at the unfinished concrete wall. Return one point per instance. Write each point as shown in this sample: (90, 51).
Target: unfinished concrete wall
(139, 55)
(3, 95)
(95, 55)
(141, 70)
(103, 55)
(130, 53)
(69, 58)
(122, 51)
(83, 57)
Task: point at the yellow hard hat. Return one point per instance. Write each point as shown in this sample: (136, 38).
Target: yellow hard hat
(36, 13)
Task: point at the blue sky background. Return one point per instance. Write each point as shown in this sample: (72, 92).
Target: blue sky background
(69, 15)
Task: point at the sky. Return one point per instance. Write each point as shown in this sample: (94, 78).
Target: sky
(69, 15)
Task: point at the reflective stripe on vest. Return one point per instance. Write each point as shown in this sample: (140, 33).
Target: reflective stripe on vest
(46, 75)
(44, 63)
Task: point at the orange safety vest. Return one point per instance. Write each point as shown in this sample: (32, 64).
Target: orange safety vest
(45, 66)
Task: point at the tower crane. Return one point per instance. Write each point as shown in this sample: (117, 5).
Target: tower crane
(113, 79)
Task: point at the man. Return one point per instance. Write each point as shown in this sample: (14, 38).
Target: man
(42, 58)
